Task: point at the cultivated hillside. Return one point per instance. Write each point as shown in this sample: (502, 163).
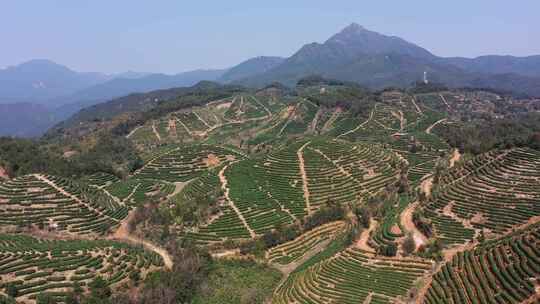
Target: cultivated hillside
(325, 193)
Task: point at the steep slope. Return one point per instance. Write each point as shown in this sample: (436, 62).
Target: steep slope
(352, 44)
(377, 61)
(251, 67)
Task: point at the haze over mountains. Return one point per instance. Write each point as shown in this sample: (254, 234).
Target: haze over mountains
(354, 54)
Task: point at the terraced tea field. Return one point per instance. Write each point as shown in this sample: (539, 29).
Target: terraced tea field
(58, 203)
(199, 123)
(186, 162)
(406, 127)
(295, 181)
(493, 193)
(297, 249)
(35, 266)
(352, 276)
(502, 271)
(245, 165)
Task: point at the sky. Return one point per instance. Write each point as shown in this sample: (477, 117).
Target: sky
(171, 36)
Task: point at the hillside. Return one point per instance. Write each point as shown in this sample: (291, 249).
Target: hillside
(328, 192)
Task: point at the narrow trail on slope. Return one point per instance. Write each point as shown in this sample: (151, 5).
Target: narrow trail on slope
(178, 187)
(71, 196)
(328, 124)
(362, 242)
(133, 131)
(444, 100)
(122, 234)
(155, 131)
(313, 125)
(185, 127)
(262, 105)
(289, 118)
(233, 122)
(428, 130)
(359, 126)
(416, 106)
(200, 118)
(303, 174)
(223, 180)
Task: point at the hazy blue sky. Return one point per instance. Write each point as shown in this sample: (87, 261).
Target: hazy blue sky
(173, 36)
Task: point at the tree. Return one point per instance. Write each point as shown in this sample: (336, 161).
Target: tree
(364, 216)
(45, 298)
(12, 290)
(7, 300)
(388, 250)
(99, 288)
(409, 245)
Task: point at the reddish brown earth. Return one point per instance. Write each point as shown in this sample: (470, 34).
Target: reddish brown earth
(3, 173)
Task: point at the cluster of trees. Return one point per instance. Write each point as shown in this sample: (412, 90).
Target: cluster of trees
(111, 154)
(282, 234)
(520, 130)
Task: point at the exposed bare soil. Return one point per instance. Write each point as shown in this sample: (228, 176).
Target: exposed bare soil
(211, 160)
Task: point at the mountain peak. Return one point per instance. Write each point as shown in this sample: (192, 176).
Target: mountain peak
(353, 27)
(355, 39)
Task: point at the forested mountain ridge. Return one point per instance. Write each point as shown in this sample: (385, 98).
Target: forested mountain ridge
(378, 61)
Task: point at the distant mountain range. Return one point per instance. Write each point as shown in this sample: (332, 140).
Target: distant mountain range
(354, 54)
(377, 61)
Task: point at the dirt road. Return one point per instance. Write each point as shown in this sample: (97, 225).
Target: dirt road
(122, 234)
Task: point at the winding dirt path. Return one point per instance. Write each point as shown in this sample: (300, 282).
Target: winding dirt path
(428, 130)
(362, 242)
(303, 174)
(223, 180)
(406, 219)
(122, 234)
